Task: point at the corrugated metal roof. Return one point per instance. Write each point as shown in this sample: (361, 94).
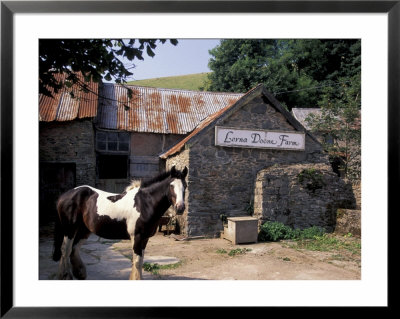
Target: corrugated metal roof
(157, 110)
(62, 107)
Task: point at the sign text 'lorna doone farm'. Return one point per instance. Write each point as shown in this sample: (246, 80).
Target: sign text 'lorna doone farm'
(225, 136)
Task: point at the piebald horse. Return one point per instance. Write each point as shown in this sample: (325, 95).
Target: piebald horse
(133, 214)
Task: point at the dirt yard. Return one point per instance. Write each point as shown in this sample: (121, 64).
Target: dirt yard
(218, 259)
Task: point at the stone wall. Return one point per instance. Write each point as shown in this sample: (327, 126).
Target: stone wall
(71, 141)
(357, 193)
(67, 159)
(301, 195)
(348, 221)
(221, 179)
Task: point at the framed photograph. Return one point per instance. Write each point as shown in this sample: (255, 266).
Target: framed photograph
(23, 23)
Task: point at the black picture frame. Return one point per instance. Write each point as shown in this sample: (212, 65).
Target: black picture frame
(9, 8)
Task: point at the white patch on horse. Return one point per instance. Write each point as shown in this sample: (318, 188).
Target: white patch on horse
(119, 210)
(178, 189)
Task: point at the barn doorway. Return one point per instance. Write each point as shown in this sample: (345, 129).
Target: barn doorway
(54, 179)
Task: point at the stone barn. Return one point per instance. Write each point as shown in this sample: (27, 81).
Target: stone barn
(226, 152)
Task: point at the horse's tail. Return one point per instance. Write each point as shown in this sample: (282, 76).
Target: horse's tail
(58, 239)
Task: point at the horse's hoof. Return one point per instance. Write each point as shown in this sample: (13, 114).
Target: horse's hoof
(80, 274)
(134, 277)
(65, 276)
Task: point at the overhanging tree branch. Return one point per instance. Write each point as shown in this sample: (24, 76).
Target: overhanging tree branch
(96, 59)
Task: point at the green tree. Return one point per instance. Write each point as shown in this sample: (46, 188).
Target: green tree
(238, 65)
(297, 72)
(96, 59)
(339, 124)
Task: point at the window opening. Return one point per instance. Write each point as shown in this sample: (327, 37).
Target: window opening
(112, 141)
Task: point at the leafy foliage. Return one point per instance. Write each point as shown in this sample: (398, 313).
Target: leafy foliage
(339, 122)
(329, 242)
(310, 233)
(238, 251)
(155, 268)
(274, 231)
(312, 178)
(298, 72)
(96, 59)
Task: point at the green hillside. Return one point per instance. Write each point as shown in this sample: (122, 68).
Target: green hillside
(193, 82)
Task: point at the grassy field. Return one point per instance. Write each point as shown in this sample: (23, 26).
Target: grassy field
(193, 82)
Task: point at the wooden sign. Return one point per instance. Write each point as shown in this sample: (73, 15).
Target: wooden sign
(233, 137)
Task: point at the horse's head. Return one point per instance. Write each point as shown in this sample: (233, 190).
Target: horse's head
(177, 189)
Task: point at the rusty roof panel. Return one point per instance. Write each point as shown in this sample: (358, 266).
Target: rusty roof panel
(157, 110)
(63, 107)
(48, 107)
(67, 108)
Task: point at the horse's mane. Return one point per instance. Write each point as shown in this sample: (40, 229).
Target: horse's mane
(150, 181)
(156, 179)
(134, 184)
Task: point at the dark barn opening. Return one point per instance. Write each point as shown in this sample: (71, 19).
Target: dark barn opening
(54, 180)
(112, 166)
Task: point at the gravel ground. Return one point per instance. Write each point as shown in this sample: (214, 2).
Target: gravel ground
(207, 259)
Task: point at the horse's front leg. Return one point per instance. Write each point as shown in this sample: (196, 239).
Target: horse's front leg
(138, 256)
(137, 264)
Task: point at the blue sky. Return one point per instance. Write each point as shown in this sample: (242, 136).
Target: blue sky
(187, 57)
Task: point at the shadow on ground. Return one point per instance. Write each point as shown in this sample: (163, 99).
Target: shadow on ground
(102, 260)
